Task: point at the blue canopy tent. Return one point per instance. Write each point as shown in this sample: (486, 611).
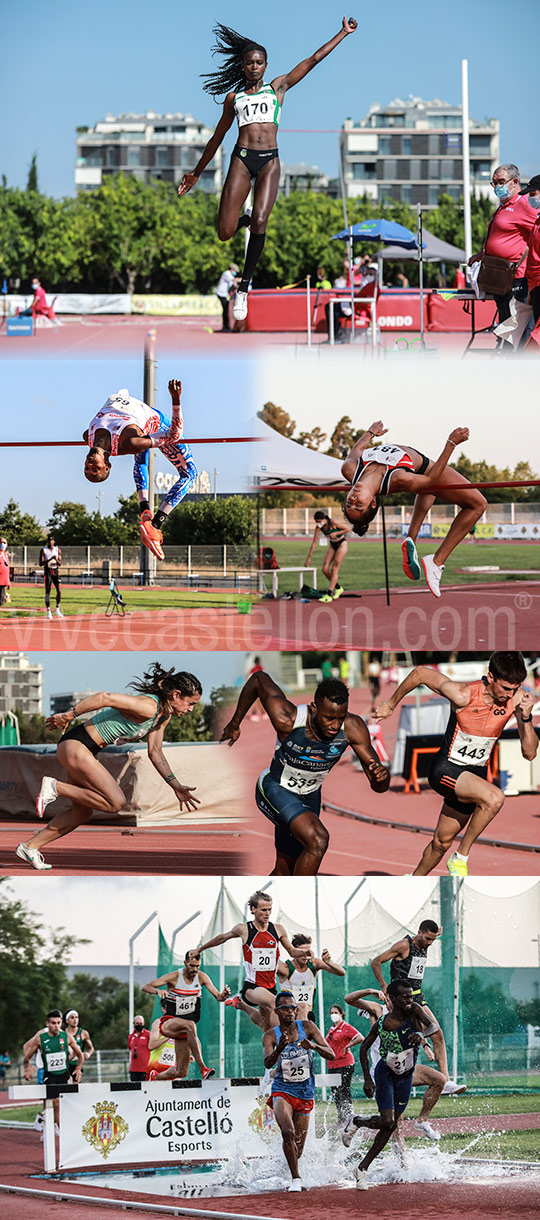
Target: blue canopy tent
(385, 232)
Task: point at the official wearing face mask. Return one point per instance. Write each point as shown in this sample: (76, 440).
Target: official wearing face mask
(4, 572)
(508, 234)
(342, 1037)
(532, 269)
(39, 307)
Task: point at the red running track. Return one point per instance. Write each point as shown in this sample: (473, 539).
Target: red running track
(513, 1196)
(358, 847)
(480, 618)
(98, 851)
(80, 337)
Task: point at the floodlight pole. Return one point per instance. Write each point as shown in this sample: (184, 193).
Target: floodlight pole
(320, 986)
(385, 553)
(457, 951)
(222, 979)
(346, 928)
(147, 560)
(420, 242)
(132, 940)
(466, 157)
(179, 929)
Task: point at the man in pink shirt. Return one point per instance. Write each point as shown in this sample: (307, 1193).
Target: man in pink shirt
(508, 233)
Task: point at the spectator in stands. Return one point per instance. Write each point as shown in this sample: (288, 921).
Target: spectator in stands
(322, 282)
(508, 234)
(4, 572)
(228, 282)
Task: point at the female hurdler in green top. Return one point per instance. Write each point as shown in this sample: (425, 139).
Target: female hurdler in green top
(257, 106)
(118, 718)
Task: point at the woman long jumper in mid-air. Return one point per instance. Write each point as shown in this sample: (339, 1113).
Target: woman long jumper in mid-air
(381, 470)
(257, 106)
(118, 718)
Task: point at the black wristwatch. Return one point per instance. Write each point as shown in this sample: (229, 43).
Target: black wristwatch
(526, 719)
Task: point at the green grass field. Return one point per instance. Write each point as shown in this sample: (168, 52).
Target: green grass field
(363, 566)
(28, 601)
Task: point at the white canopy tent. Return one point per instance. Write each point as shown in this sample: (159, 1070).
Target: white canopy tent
(282, 462)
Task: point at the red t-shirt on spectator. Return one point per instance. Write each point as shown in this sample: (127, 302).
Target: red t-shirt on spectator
(509, 230)
(533, 261)
(139, 1043)
(39, 304)
(338, 1037)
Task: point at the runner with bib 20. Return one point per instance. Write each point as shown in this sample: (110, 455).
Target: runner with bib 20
(310, 741)
(479, 712)
(256, 105)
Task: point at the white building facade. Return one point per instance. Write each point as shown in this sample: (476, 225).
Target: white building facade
(21, 684)
(148, 146)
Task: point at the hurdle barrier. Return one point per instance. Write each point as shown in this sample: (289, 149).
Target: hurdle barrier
(154, 1122)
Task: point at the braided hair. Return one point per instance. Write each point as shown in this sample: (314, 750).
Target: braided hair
(230, 76)
(161, 682)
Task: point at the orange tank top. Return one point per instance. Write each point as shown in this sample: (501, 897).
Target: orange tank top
(472, 731)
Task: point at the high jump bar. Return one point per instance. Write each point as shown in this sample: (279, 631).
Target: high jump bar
(198, 440)
(346, 486)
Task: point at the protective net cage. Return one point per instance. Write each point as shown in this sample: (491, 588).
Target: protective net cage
(482, 982)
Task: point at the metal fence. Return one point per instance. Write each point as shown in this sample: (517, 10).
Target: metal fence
(100, 564)
(298, 522)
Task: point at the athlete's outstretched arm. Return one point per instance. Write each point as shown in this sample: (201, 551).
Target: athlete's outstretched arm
(527, 733)
(161, 983)
(226, 121)
(279, 710)
(430, 1026)
(324, 962)
(358, 737)
(140, 706)
(282, 83)
(400, 949)
(349, 466)
(457, 693)
(423, 482)
(220, 996)
(357, 999)
(182, 792)
(238, 930)
(316, 535)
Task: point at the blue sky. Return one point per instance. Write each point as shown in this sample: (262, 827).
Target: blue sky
(56, 399)
(65, 65)
(113, 671)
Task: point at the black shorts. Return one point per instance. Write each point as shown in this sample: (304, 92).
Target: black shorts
(248, 986)
(442, 778)
(57, 1078)
(255, 159)
(79, 733)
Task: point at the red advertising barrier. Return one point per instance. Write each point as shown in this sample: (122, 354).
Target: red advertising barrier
(452, 316)
(275, 310)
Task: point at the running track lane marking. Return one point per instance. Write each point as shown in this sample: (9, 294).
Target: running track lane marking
(427, 830)
(124, 1204)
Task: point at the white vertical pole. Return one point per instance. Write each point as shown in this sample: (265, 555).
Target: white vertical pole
(465, 153)
(49, 1145)
(420, 240)
(222, 981)
(320, 984)
(132, 940)
(224, 559)
(308, 307)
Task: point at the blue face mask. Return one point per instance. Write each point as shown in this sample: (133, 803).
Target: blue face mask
(534, 201)
(502, 191)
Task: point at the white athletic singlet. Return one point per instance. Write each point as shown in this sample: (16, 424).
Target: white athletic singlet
(120, 411)
(51, 555)
(184, 1000)
(391, 456)
(260, 107)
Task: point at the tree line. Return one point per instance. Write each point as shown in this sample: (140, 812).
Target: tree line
(345, 435)
(131, 236)
(227, 521)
